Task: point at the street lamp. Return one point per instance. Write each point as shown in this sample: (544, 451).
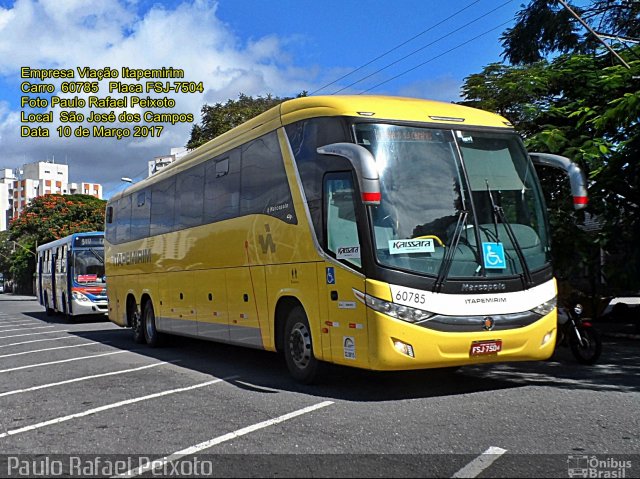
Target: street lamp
(126, 180)
(26, 249)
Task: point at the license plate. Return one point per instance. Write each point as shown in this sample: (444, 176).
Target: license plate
(485, 348)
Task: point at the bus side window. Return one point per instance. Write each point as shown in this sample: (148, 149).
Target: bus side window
(222, 187)
(162, 206)
(340, 218)
(189, 198)
(140, 212)
(123, 220)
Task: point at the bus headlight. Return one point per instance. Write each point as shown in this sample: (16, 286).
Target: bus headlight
(398, 311)
(546, 308)
(79, 296)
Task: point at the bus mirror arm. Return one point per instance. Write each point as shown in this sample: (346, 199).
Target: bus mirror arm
(364, 165)
(577, 177)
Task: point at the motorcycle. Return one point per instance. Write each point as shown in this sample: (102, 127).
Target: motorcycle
(580, 335)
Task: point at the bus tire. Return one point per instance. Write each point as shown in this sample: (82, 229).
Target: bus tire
(151, 334)
(136, 326)
(298, 348)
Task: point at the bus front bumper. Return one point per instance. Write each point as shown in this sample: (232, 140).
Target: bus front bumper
(399, 345)
(89, 307)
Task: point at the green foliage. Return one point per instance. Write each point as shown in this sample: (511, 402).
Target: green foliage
(582, 107)
(5, 253)
(45, 219)
(545, 27)
(222, 117)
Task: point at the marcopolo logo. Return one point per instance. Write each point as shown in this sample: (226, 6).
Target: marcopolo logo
(594, 466)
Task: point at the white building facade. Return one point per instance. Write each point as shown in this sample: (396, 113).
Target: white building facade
(160, 162)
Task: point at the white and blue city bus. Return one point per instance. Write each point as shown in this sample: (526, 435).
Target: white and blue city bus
(70, 277)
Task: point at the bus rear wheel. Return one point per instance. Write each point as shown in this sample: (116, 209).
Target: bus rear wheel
(136, 325)
(298, 348)
(151, 334)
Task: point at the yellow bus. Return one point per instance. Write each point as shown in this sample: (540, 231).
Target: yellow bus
(377, 232)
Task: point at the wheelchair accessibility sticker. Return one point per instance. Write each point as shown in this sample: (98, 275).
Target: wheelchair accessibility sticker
(493, 254)
(331, 275)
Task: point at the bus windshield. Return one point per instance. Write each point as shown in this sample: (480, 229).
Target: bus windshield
(88, 266)
(467, 199)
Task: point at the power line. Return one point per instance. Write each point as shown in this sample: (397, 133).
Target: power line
(422, 48)
(395, 48)
(437, 56)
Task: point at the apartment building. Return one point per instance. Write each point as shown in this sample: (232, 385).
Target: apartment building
(18, 188)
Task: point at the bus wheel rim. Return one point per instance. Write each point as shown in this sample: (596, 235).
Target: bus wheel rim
(300, 345)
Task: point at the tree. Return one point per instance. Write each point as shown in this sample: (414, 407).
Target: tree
(45, 219)
(222, 117)
(545, 27)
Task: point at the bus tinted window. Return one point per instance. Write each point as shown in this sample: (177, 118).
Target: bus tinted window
(123, 219)
(265, 188)
(189, 199)
(162, 206)
(140, 211)
(222, 188)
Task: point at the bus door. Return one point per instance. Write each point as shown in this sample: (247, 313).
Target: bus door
(40, 266)
(52, 265)
(346, 322)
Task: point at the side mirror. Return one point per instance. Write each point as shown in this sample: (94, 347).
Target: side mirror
(365, 166)
(577, 178)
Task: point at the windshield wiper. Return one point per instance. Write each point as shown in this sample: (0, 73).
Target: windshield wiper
(498, 213)
(445, 266)
(100, 258)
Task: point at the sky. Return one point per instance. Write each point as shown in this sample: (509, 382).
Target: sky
(416, 48)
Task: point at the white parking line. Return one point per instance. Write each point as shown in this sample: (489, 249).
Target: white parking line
(37, 341)
(84, 378)
(34, 334)
(16, 324)
(158, 463)
(480, 463)
(25, 329)
(19, 321)
(61, 361)
(106, 407)
(49, 349)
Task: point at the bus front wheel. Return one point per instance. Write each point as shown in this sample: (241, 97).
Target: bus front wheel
(151, 334)
(298, 348)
